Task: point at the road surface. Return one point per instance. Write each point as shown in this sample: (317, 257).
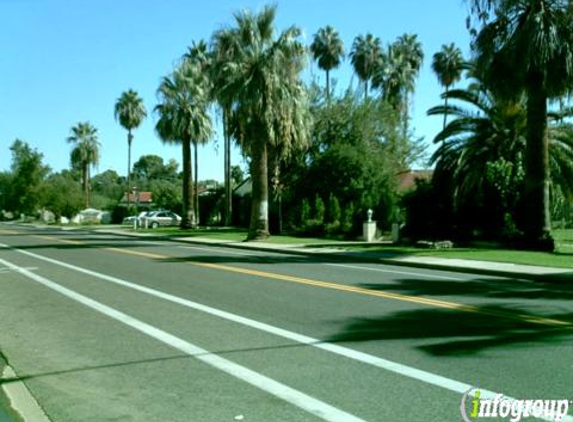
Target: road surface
(109, 328)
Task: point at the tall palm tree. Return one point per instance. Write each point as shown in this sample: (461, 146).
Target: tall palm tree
(365, 56)
(526, 46)
(412, 56)
(448, 65)
(224, 45)
(183, 117)
(85, 153)
(327, 48)
(260, 83)
(199, 56)
(130, 112)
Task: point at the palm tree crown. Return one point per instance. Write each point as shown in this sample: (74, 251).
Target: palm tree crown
(365, 56)
(130, 110)
(327, 48)
(447, 64)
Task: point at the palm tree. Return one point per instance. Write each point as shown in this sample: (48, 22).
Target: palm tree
(199, 56)
(328, 50)
(412, 56)
(365, 56)
(183, 118)
(488, 129)
(224, 45)
(447, 64)
(526, 46)
(85, 153)
(130, 112)
(261, 86)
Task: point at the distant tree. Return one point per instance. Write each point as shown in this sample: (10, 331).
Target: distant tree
(327, 48)
(152, 167)
(365, 56)
(108, 185)
(85, 154)
(28, 172)
(130, 112)
(61, 195)
(447, 64)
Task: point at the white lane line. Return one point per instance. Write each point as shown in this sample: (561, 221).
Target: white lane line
(277, 389)
(396, 272)
(388, 365)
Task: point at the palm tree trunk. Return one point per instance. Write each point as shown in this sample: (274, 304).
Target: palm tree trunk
(88, 199)
(365, 89)
(86, 185)
(445, 107)
(196, 186)
(259, 227)
(536, 206)
(327, 86)
(188, 217)
(129, 141)
(228, 190)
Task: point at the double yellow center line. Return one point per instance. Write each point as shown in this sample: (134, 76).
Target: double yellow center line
(527, 318)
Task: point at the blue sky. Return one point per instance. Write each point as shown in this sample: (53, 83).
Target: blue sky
(65, 61)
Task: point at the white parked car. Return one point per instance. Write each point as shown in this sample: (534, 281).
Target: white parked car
(133, 218)
(156, 219)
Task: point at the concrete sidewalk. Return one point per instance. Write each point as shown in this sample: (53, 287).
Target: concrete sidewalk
(446, 264)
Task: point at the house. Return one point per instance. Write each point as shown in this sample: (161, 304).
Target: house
(407, 179)
(143, 198)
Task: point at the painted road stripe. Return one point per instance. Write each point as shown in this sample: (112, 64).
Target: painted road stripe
(441, 277)
(532, 319)
(226, 251)
(277, 389)
(388, 365)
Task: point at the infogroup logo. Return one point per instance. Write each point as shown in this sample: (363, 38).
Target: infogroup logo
(474, 407)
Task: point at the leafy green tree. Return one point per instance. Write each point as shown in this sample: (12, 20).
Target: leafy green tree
(108, 188)
(61, 195)
(183, 117)
(6, 191)
(448, 64)
(28, 172)
(85, 153)
(260, 83)
(327, 48)
(130, 112)
(365, 56)
(526, 46)
(152, 167)
(334, 212)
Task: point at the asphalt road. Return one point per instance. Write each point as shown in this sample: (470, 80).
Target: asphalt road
(109, 328)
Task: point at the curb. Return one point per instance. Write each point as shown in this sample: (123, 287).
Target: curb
(21, 399)
(557, 276)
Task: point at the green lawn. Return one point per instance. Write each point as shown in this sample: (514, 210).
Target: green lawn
(235, 235)
(563, 257)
